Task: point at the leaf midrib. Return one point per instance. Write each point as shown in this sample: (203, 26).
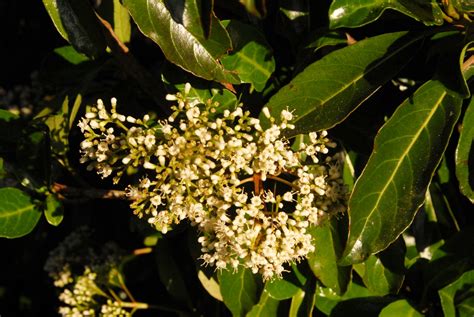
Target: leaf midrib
(357, 78)
(16, 212)
(402, 158)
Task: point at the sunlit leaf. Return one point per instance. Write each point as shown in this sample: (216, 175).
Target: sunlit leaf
(400, 308)
(54, 211)
(392, 186)
(197, 55)
(327, 91)
(251, 58)
(18, 214)
(347, 13)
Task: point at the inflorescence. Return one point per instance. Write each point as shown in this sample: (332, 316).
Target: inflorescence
(249, 191)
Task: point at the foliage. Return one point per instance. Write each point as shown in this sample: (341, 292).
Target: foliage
(214, 81)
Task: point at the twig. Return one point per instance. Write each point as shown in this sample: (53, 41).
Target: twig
(66, 192)
(132, 67)
(468, 63)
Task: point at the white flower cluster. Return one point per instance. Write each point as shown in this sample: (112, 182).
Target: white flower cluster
(82, 273)
(250, 194)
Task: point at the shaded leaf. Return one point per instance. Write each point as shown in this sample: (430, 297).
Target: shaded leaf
(302, 303)
(266, 306)
(327, 91)
(400, 308)
(323, 261)
(118, 17)
(347, 13)
(393, 184)
(77, 23)
(384, 273)
(251, 59)
(362, 306)
(54, 211)
(456, 293)
(465, 154)
(180, 46)
(323, 38)
(18, 214)
(239, 290)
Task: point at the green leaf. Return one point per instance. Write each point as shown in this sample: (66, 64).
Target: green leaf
(361, 306)
(283, 288)
(210, 285)
(251, 59)
(392, 186)
(327, 91)
(239, 290)
(400, 308)
(18, 214)
(71, 55)
(77, 23)
(181, 46)
(302, 303)
(384, 274)
(465, 154)
(456, 293)
(118, 17)
(266, 307)
(323, 38)
(347, 13)
(54, 211)
(323, 261)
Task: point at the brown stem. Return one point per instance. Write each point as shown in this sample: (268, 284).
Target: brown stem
(468, 63)
(66, 192)
(133, 68)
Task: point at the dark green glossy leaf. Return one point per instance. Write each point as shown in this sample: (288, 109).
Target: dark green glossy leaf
(302, 303)
(465, 154)
(77, 23)
(197, 55)
(393, 184)
(323, 261)
(18, 214)
(400, 308)
(251, 59)
(54, 211)
(327, 91)
(347, 13)
(383, 274)
(266, 306)
(456, 293)
(239, 290)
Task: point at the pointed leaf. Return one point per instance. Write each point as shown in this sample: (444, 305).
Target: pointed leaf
(266, 307)
(239, 290)
(77, 23)
(285, 287)
(327, 91)
(393, 184)
(210, 285)
(465, 154)
(400, 308)
(323, 261)
(251, 59)
(18, 214)
(180, 46)
(347, 13)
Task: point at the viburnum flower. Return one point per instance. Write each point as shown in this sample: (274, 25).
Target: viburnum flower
(251, 193)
